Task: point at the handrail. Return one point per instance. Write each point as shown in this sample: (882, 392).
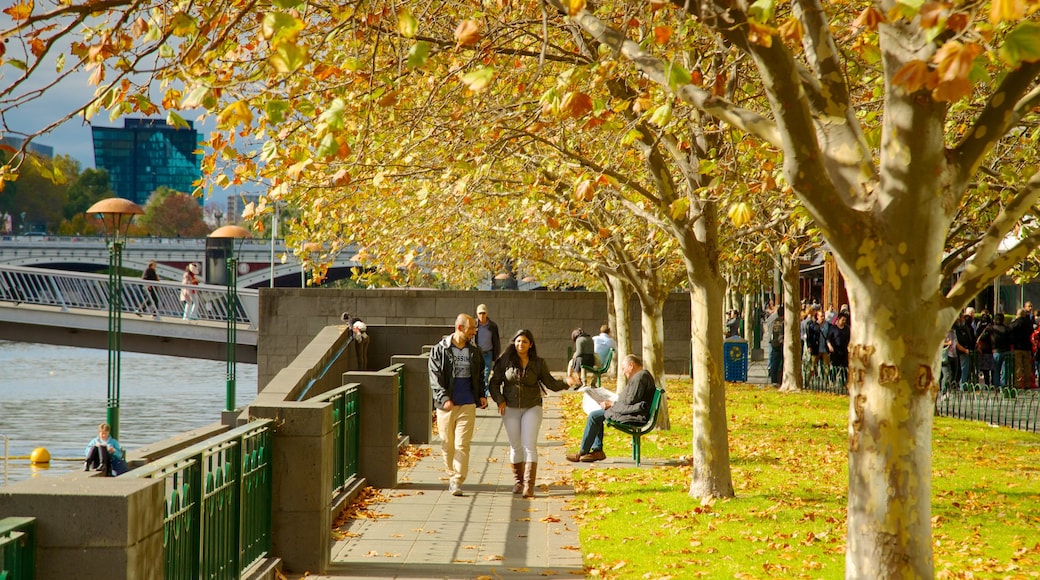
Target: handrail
(67, 290)
(218, 503)
(324, 370)
(17, 548)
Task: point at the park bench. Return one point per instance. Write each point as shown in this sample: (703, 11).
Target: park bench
(637, 431)
(602, 368)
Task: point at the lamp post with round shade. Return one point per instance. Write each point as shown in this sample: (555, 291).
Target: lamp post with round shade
(115, 214)
(231, 233)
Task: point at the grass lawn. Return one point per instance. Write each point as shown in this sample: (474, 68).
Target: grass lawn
(790, 473)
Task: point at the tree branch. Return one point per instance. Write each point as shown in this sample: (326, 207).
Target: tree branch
(988, 261)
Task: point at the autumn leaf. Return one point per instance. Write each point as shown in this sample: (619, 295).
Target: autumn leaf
(914, 76)
(1002, 10)
(467, 33)
(576, 105)
(662, 115)
(279, 25)
(760, 34)
(932, 14)
(575, 6)
(20, 11)
(792, 30)
(662, 34)
(1022, 44)
(288, 57)
(954, 60)
(740, 214)
(870, 18)
(407, 24)
(585, 190)
(182, 24)
(418, 54)
(479, 79)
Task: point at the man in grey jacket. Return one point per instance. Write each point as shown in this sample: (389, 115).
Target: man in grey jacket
(457, 382)
(633, 406)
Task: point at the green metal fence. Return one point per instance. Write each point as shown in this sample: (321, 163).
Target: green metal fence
(345, 433)
(17, 548)
(1005, 406)
(218, 503)
(825, 378)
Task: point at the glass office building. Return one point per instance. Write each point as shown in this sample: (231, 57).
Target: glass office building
(145, 154)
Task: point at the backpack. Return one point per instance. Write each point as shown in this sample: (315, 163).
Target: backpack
(777, 337)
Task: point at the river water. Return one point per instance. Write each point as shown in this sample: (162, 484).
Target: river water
(55, 396)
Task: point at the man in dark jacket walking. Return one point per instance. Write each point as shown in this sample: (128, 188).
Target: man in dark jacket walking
(632, 407)
(487, 339)
(457, 381)
(1022, 346)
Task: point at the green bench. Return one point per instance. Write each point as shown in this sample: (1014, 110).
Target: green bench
(637, 431)
(602, 368)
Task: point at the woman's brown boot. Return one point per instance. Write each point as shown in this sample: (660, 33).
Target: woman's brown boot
(530, 472)
(518, 477)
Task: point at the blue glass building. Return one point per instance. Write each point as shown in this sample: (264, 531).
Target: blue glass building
(145, 154)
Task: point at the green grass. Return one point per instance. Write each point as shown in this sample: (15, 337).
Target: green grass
(789, 464)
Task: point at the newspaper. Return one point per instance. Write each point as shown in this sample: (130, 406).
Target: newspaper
(593, 396)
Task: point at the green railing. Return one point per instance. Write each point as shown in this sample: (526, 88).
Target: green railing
(825, 378)
(17, 548)
(218, 503)
(345, 433)
(1005, 406)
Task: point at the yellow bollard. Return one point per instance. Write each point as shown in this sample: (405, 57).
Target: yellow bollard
(40, 455)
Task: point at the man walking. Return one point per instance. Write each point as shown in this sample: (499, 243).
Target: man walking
(456, 379)
(776, 347)
(487, 340)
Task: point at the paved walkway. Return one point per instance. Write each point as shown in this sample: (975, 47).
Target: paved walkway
(428, 533)
(423, 532)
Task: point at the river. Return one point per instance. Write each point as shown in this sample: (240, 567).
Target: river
(55, 396)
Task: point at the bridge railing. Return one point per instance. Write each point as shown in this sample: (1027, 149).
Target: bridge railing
(218, 503)
(17, 548)
(67, 290)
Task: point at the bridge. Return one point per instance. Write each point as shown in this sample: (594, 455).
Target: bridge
(71, 308)
(260, 264)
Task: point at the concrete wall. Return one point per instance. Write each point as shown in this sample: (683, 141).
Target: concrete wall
(399, 320)
(92, 527)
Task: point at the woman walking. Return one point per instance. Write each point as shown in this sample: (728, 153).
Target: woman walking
(516, 384)
(189, 296)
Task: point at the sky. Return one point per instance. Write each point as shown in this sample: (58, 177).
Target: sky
(73, 138)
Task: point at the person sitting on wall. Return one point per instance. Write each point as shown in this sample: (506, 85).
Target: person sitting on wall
(104, 454)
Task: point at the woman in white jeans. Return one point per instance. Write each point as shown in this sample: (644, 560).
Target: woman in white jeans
(516, 384)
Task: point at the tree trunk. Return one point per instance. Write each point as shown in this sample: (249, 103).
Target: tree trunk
(711, 470)
(892, 388)
(621, 293)
(791, 379)
(653, 351)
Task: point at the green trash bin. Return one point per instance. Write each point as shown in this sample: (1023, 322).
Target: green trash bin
(735, 360)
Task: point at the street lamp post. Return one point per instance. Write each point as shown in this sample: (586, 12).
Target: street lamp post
(115, 214)
(231, 233)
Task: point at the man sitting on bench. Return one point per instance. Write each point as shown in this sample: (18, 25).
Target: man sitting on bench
(633, 407)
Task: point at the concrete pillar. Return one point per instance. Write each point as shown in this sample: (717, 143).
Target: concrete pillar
(377, 461)
(418, 399)
(92, 527)
(301, 524)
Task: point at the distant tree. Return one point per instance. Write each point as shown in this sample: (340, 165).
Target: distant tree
(89, 187)
(39, 193)
(170, 213)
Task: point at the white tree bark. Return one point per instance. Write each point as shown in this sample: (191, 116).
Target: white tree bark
(791, 380)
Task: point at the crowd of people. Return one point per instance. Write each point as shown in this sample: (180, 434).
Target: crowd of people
(1001, 350)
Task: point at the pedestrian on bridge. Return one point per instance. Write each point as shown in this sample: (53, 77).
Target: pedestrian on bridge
(190, 296)
(151, 302)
